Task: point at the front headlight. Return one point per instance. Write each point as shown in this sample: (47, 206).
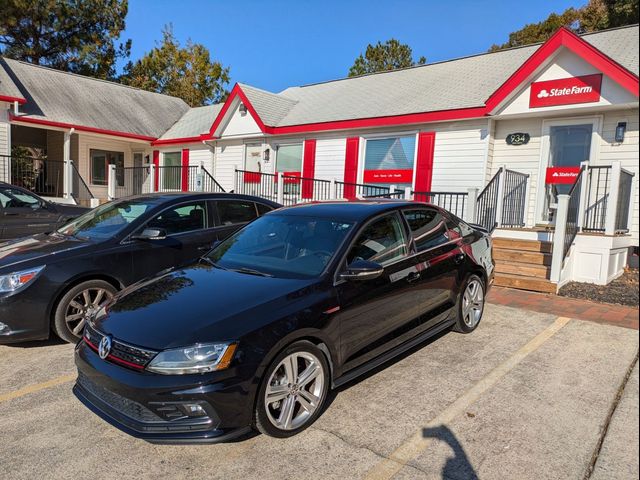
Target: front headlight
(17, 280)
(196, 359)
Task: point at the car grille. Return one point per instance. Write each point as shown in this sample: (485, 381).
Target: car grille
(123, 405)
(121, 353)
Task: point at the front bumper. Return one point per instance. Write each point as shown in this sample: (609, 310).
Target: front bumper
(153, 407)
(23, 318)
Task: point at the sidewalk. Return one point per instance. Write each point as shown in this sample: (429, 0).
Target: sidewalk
(566, 307)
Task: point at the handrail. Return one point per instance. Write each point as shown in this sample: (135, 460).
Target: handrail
(487, 203)
(216, 187)
(573, 212)
(81, 183)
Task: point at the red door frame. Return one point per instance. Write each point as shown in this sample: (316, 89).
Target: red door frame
(351, 167)
(185, 170)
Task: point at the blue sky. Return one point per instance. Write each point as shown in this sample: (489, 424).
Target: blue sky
(276, 44)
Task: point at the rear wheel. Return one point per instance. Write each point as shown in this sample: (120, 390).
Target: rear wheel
(293, 391)
(77, 305)
(470, 305)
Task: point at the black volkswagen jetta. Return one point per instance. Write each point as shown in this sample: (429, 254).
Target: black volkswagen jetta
(297, 302)
(53, 282)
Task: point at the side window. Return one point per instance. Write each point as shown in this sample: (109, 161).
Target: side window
(182, 218)
(382, 241)
(428, 227)
(231, 212)
(4, 200)
(262, 208)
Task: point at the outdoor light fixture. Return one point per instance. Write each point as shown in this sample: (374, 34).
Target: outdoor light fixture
(266, 154)
(620, 129)
(243, 109)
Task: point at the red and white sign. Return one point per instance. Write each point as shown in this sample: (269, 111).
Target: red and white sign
(388, 176)
(566, 91)
(562, 175)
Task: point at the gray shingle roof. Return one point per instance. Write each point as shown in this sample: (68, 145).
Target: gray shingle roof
(272, 107)
(619, 44)
(7, 87)
(196, 121)
(64, 97)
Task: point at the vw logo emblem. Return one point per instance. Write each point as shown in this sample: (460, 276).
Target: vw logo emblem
(104, 347)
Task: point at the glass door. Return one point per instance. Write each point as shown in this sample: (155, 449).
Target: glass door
(568, 147)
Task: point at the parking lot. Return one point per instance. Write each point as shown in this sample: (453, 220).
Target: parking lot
(528, 395)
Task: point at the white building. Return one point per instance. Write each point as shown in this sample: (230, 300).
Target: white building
(498, 138)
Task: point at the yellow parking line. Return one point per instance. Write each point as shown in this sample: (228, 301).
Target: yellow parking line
(36, 387)
(416, 444)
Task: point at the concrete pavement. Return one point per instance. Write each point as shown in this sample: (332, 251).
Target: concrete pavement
(525, 396)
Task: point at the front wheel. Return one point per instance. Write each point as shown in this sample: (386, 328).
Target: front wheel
(77, 305)
(470, 305)
(293, 391)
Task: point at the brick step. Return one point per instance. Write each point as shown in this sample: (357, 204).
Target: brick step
(519, 256)
(525, 245)
(526, 269)
(522, 282)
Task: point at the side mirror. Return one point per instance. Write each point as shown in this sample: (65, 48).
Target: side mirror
(151, 234)
(361, 270)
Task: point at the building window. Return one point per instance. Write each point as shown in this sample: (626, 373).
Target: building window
(390, 160)
(289, 162)
(171, 171)
(100, 161)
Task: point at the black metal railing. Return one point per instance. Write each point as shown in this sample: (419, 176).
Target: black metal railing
(395, 194)
(596, 199)
(259, 184)
(349, 190)
(573, 214)
(79, 189)
(514, 203)
(132, 181)
(487, 203)
(454, 202)
(170, 178)
(210, 184)
(40, 175)
(623, 205)
(302, 189)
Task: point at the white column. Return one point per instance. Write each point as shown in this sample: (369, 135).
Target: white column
(67, 177)
(332, 189)
(111, 182)
(407, 193)
(472, 201)
(612, 201)
(558, 237)
(152, 177)
(280, 194)
(500, 202)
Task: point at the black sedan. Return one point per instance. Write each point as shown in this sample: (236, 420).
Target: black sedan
(55, 281)
(257, 332)
(24, 213)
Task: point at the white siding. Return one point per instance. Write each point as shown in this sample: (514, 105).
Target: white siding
(626, 153)
(228, 157)
(201, 154)
(5, 141)
(330, 158)
(240, 125)
(459, 156)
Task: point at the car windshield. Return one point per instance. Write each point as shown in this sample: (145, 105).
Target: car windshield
(106, 220)
(282, 246)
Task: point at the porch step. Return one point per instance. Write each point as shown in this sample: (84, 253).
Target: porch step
(523, 282)
(524, 245)
(526, 269)
(521, 256)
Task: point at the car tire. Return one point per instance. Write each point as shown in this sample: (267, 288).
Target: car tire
(470, 305)
(75, 305)
(292, 406)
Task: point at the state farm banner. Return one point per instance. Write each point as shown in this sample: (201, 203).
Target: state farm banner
(562, 175)
(566, 91)
(388, 176)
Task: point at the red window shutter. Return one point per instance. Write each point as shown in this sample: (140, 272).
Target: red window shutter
(185, 169)
(424, 163)
(351, 167)
(156, 163)
(308, 168)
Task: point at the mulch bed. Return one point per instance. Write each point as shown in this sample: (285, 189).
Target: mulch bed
(622, 291)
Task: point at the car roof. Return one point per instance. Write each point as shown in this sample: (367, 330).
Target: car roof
(356, 210)
(161, 197)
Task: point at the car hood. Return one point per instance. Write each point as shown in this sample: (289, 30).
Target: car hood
(197, 304)
(26, 250)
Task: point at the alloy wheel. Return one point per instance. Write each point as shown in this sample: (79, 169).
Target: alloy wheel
(472, 303)
(85, 304)
(294, 391)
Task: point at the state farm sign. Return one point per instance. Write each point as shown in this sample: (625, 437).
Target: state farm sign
(562, 175)
(566, 91)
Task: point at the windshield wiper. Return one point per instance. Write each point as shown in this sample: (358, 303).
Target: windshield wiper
(251, 271)
(212, 263)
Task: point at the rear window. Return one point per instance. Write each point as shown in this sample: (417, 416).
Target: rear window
(262, 208)
(428, 227)
(231, 212)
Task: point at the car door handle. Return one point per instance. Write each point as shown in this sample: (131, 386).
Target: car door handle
(459, 258)
(10, 214)
(413, 277)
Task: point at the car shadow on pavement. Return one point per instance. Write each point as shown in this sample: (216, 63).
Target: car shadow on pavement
(457, 466)
(37, 343)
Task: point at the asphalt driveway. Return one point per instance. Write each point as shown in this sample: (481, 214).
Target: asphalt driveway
(528, 395)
